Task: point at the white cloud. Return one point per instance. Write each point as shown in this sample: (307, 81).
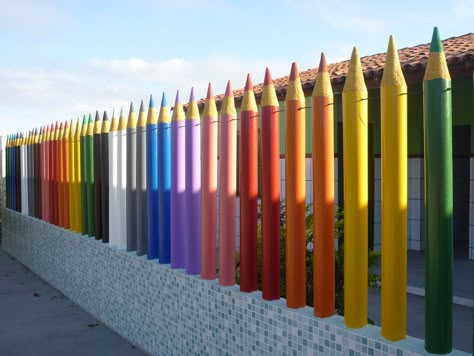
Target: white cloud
(179, 73)
(27, 15)
(35, 96)
(463, 9)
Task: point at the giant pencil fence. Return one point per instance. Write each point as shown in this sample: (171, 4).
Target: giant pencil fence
(149, 184)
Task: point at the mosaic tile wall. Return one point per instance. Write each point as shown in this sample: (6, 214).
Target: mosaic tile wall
(166, 312)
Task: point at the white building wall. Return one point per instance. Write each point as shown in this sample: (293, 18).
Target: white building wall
(471, 210)
(416, 204)
(377, 205)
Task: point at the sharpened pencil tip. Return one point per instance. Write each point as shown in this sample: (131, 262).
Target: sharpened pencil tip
(436, 45)
(164, 102)
(294, 74)
(228, 89)
(268, 77)
(322, 63)
(248, 83)
(210, 93)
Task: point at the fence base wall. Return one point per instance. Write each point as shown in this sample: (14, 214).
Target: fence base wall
(164, 311)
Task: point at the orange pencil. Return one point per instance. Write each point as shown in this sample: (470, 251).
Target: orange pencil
(322, 117)
(295, 192)
(53, 177)
(60, 174)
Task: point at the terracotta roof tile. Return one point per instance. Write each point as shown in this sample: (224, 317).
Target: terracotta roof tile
(458, 50)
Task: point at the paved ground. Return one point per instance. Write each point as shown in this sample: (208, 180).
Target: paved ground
(36, 319)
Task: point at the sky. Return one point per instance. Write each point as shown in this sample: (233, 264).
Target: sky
(62, 59)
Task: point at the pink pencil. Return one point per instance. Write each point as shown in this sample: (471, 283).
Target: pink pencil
(209, 128)
(227, 184)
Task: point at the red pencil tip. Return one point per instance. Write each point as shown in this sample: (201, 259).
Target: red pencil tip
(210, 93)
(268, 77)
(61, 126)
(322, 63)
(228, 89)
(67, 124)
(57, 126)
(294, 74)
(248, 83)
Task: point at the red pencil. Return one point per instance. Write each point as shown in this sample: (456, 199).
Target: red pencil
(270, 149)
(248, 189)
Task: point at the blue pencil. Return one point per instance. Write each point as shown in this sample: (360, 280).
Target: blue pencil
(152, 180)
(13, 173)
(164, 182)
(142, 215)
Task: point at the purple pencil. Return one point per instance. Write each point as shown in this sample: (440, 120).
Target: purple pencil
(178, 185)
(193, 188)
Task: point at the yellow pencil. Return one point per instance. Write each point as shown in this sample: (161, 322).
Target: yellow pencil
(355, 136)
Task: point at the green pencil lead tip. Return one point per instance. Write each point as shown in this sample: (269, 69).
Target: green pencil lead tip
(436, 45)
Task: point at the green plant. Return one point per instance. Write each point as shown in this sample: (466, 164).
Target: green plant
(374, 256)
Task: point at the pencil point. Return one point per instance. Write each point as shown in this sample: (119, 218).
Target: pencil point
(121, 110)
(132, 108)
(436, 45)
(178, 99)
(97, 117)
(193, 112)
(392, 72)
(142, 107)
(355, 76)
(248, 100)
(228, 104)
(210, 93)
(322, 63)
(436, 67)
(210, 108)
(178, 113)
(152, 102)
(105, 117)
(164, 115)
(294, 74)
(228, 89)
(66, 125)
(248, 83)
(322, 85)
(294, 90)
(268, 77)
